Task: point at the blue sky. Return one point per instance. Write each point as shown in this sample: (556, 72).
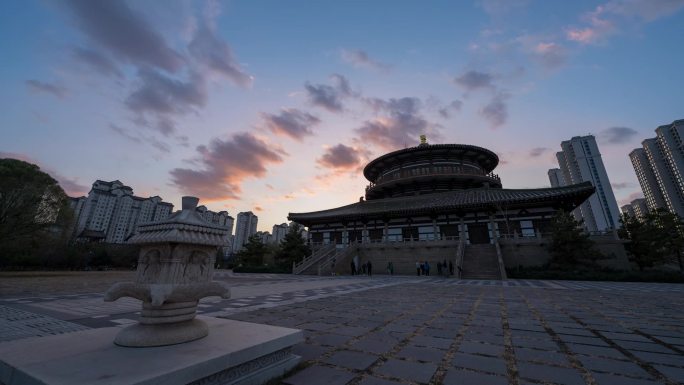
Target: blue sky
(275, 106)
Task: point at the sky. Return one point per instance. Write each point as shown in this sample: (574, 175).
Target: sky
(276, 106)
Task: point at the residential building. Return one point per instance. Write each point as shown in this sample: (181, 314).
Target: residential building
(580, 161)
(245, 226)
(279, 232)
(645, 172)
(556, 177)
(111, 213)
(659, 166)
(638, 208)
(220, 218)
(265, 237)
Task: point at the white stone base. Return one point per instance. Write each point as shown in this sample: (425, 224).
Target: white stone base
(234, 352)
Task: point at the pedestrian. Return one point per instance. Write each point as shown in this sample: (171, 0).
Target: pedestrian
(353, 268)
(370, 269)
(427, 268)
(422, 268)
(418, 268)
(451, 268)
(439, 268)
(363, 268)
(460, 271)
(391, 267)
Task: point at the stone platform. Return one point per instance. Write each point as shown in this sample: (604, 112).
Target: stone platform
(235, 352)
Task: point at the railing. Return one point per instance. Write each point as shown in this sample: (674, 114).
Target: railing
(459, 258)
(407, 174)
(316, 255)
(499, 258)
(340, 254)
(394, 240)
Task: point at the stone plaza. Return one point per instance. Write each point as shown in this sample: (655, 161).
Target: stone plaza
(418, 330)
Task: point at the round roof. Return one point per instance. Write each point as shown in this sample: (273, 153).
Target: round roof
(485, 158)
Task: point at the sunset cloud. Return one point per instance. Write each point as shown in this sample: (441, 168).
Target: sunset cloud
(617, 135)
(291, 122)
(399, 125)
(225, 164)
(475, 80)
(97, 61)
(114, 26)
(360, 59)
(496, 111)
(48, 88)
(329, 97)
(215, 54)
(341, 157)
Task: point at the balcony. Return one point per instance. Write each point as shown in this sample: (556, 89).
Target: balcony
(406, 175)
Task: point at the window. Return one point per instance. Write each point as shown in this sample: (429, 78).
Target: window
(527, 229)
(394, 234)
(426, 233)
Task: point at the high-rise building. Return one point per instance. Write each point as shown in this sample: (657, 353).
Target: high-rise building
(580, 161)
(111, 212)
(220, 218)
(646, 174)
(279, 232)
(265, 237)
(637, 208)
(659, 166)
(245, 227)
(556, 177)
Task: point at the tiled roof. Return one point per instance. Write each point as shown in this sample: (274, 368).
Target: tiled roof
(453, 200)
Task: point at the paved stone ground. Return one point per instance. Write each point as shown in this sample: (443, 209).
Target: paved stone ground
(411, 330)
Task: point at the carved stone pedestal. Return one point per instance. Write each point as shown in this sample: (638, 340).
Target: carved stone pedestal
(236, 353)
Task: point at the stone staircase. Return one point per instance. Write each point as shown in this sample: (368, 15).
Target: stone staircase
(480, 262)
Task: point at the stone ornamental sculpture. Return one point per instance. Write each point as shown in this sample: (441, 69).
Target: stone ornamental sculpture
(175, 268)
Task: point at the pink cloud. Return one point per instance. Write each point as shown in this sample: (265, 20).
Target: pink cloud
(225, 164)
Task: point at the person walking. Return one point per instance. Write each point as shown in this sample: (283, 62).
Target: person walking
(391, 268)
(353, 268)
(427, 268)
(451, 268)
(418, 268)
(370, 269)
(439, 268)
(363, 268)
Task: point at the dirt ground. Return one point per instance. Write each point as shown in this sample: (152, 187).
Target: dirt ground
(41, 283)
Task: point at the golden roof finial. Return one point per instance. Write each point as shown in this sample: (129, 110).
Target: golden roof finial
(423, 140)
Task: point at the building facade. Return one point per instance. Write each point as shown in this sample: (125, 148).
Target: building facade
(440, 192)
(580, 161)
(245, 227)
(637, 208)
(279, 232)
(111, 213)
(659, 167)
(556, 177)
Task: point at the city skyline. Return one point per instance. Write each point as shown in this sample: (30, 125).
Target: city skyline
(252, 106)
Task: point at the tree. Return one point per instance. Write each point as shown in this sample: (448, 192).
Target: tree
(253, 252)
(30, 203)
(656, 238)
(293, 247)
(570, 244)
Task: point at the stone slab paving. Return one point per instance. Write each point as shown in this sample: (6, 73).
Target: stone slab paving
(435, 333)
(416, 330)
